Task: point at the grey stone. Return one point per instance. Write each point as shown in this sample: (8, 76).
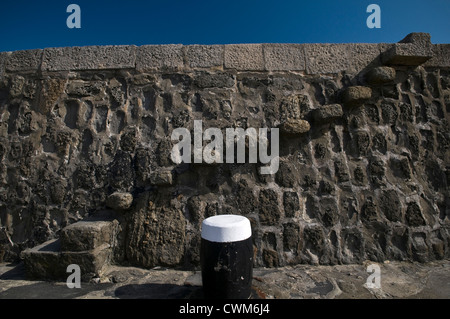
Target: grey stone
(204, 56)
(409, 54)
(295, 126)
(362, 56)
(24, 61)
(380, 75)
(46, 261)
(324, 58)
(161, 178)
(417, 37)
(89, 58)
(119, 201)
(150, 57)
(155, 217)
(3, 58)
(327, 113)
(216, 79)
(282, 57)
(244, 57)
(88, 234)
(357, 94)
(441, 56)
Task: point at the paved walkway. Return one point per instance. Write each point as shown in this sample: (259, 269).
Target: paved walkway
(398, 280)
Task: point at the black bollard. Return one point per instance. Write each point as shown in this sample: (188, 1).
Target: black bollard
(226, 257)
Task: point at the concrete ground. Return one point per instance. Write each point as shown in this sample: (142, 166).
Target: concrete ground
(397, 279)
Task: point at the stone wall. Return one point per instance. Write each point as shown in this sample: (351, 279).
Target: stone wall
(364, 148)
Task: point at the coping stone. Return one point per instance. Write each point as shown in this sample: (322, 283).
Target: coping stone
(244, 57)
(204, 56)
(284, 57)
(89, 58)
(24, 61)
(159, 56)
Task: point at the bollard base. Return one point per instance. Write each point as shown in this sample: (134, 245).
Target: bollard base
(227, 269)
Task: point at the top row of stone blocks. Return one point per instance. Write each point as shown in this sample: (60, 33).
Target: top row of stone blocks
(308, 58)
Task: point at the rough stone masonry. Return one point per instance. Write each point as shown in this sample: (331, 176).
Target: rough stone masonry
(85, 133)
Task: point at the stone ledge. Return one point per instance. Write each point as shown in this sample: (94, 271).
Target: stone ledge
(244, 57)
(24, 61)
(204, 56)
(316, 58)
(408, 54)
(3, 58)
(89, 58)
(284, 57)
(149, 57)
(441, 56)
(47, 261)
(313, 58)
(88, 235)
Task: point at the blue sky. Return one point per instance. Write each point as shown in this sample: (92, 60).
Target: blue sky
(41, 24)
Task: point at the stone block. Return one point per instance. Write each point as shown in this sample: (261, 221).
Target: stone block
(323, 58)
(408, 54)
(295, 126)
(150, 57)
(204, 56)
(284, 57)
(161, 178)
(119, 201)
(441, 56)
(362, 56)
(88, 235)
(380, 75)
(3, 58)
(417, 37)
(46, 261)
(24, 61)
(357, 94)
(89, 58)
(327, 113)
(244, 57)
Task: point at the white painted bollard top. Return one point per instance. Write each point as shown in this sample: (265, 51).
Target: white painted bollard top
(226, 228)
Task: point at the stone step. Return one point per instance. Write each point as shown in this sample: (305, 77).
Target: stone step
(48, 261)
(88, 235)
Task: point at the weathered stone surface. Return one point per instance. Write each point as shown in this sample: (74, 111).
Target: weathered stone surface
(381, 74)
(150, 57)
(369, 184)
(204, 56)
(24, 61)
(155, 218)
(89, 58)
(244, 57)
(47, 261)
(88, 234)
(415, 53)
(282, 57)
(327, 113)
(119, 201)
(295, 126)
(441, 56)
(326, 58)
(3, 58)
(269, 208)
(161, 178)
(357, 94)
